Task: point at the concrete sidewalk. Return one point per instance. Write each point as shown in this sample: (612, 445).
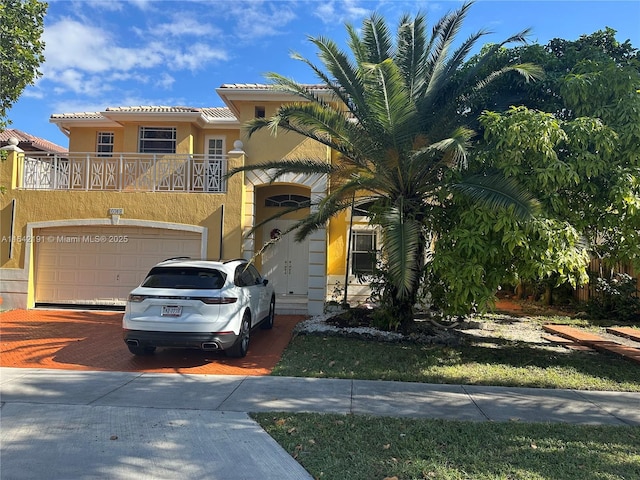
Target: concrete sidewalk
(61, 424)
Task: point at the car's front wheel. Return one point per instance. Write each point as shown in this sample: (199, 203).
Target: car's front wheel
(240, 348)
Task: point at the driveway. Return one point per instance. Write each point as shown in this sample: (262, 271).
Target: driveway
(88, 340)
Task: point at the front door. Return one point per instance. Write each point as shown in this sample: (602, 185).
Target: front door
(286, 262)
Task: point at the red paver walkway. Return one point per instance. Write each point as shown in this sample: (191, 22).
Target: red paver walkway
(82, 340)
(594, 341)
(628, 332)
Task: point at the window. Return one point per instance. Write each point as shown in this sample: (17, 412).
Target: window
(363, 251)
(246, 276)
(259, 112)
(215, 148)
(157, 140)
(185, 278)
(214, 170)
(362, 210)
(104, 144)
(287, 201)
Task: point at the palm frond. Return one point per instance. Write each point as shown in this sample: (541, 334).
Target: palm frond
(390, 100)
(320, 214)
(356, 45)
(497, 191)
(376, 39)
(278, 168)
(529, 71)
(489, 54)
(401, 238)
(461, 53)
(344, 72)
(410, 49)
(454, 148)
(444, 37)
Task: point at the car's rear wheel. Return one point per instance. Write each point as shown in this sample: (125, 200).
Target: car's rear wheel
(267, 324)
(139, 350)
(240, 348)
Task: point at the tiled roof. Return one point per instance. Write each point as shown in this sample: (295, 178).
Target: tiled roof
(262, 86)
(247, 86)
(153, 109)
(30, 142)
(219, 113)
(78, 115)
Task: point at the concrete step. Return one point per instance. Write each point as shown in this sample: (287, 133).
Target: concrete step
(291, 304)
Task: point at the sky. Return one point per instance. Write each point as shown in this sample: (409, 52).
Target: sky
(110, 53)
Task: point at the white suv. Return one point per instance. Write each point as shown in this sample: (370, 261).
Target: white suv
(198, 304)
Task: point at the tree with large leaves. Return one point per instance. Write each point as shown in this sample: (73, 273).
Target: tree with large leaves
(577, 145)
(21, 49)
(396, 115)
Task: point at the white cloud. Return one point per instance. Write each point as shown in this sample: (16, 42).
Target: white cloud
(184, 25)
(258, 19)
(84, 58)
(194, 56)
(339, 12)
(165, 81)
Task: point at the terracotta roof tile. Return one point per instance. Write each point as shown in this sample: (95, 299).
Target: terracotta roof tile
(211, 112)
(30, 142)
(79, 115)
(262, 86)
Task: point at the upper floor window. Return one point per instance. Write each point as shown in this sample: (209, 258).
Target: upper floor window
(157, 140)
(215, 148)
(259, 112)
(104, 144)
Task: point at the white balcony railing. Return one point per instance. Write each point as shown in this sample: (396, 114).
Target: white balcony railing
(123, 172)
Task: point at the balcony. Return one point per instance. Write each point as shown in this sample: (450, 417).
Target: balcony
(123, 172)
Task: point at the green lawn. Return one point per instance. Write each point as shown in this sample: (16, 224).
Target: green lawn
(504, 364)
(369, 448)
(375, 448)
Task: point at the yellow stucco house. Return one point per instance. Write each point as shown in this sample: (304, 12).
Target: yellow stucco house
(142, 184)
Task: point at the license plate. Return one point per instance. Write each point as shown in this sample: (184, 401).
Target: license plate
(171, 311)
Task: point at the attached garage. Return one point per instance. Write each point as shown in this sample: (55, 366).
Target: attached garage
(100, 265)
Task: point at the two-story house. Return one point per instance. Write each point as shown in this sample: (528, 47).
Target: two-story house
(142, 184)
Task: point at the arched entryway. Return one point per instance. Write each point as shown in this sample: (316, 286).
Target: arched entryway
(283, 260)
(298, 269)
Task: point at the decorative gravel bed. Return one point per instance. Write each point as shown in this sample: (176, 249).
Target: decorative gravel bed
(480, 329)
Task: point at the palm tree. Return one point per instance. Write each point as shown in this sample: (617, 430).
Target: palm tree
(396, 118)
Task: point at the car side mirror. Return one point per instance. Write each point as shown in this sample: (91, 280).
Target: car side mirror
(265, 281)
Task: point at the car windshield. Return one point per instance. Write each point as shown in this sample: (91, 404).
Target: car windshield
(184, 278)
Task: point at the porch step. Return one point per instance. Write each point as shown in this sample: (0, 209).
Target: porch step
(291, 305)
(627, 332)
(594, 341)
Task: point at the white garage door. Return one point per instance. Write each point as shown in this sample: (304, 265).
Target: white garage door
(100, 265)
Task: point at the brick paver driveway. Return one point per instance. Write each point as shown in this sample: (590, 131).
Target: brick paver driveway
(85, 340)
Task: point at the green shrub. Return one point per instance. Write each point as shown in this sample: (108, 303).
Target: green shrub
(615, 297)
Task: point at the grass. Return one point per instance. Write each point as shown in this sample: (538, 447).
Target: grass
(370, 448)
(354, 447)
(378, 448)
(501, 363)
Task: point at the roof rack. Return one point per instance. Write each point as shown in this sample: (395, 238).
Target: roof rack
(176, 258)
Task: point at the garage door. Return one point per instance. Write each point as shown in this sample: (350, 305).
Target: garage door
(100, 265)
